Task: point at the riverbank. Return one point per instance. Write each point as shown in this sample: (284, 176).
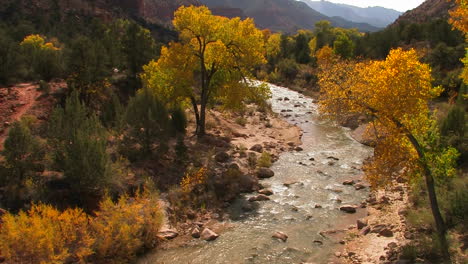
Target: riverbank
(234, 139)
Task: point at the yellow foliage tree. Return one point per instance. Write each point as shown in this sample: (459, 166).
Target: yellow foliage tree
(459, 20)
(395, 94)
(273, 45)
(214, 59)
(46, 235)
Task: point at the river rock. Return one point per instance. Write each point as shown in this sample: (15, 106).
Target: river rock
(234, 166)
(208, 235)
(168, 234)
(196, 233)
(359, 186)
(366, 230)
(258, 198)
(247, 207)
(257, 148)
(280, 235)
(265, 173)
(318, 242)
(348, 182)
(386, 232)
(361, 223)
(267, 192)
(350, 209)
(289, 183)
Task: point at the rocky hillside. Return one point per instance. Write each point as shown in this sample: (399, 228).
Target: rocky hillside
(282, 15)
(376, 16)
(427, 11)
(154, 11)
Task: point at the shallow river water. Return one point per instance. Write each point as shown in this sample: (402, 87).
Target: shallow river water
(329, 157)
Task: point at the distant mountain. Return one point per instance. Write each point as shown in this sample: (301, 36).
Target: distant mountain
(376, 16)
(427, 11)
(280, 15)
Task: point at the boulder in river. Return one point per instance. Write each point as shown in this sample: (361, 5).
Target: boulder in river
(267, 192)
(258, 198)
(208, 235)
(349, 182)
(265, 173)
(289, 183)
(280, 235)
(359, 186)
(348, 209)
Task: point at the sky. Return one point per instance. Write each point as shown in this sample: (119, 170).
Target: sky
(400, 5)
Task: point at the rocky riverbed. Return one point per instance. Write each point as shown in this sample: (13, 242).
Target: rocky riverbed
(302, 212)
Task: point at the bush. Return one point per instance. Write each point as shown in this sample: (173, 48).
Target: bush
(124, 227)
(44, 87)
(46, 235)
(264, 160)
(242, 121)
(288, 68)
(117, 232)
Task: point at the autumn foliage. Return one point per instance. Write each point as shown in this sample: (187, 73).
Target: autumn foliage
(44, 234)
(394, 95)
(212, 62)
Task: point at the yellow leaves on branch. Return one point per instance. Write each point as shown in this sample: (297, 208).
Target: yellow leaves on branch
(394, 93)
(46, 235)
(192, 180)
(459, 16)
(37, 42)
(459, 20)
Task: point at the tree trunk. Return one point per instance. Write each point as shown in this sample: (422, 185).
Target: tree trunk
(201, 130)
(197, 114)
(439, 221)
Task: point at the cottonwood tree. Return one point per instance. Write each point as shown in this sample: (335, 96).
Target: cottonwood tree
(212, 62)
(394, 93)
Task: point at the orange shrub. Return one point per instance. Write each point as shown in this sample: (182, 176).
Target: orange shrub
(124, 227)
(45, 235)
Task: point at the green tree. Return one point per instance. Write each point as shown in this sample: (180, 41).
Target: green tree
(88, 67)
(23, 159)
(43, 58)
(147, 121)
(139, 48)
(10, 59)
(343, 46)
(79, 142)
(302, 51)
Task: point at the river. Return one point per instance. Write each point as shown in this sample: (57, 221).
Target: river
(329, 157)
